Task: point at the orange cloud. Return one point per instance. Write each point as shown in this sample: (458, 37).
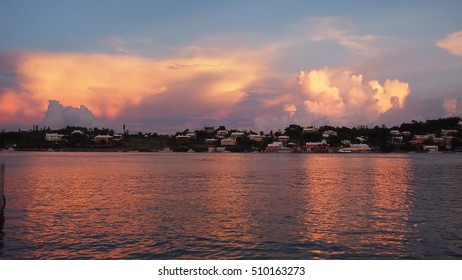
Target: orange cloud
(343, 95)
(107, 84)
(17, 108)
(392, 94)
(291, 109)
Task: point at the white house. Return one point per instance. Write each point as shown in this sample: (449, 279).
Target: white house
(328, 133)
(312, 146)
(222, 133)
(255, 137)
(53, 137)
(283, 138)
(117, 137)
(356, 148)
(102, 138)
(310, 129)
(191, 135)
(274, 147)
(210, 141)
(228, 142)
(237, 134)
(183, 138)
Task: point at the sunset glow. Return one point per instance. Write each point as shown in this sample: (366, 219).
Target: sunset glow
(310, 65)
(108, 84)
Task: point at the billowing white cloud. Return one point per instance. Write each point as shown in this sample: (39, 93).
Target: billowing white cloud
(58, 116)
(345, 97)
(452, 43)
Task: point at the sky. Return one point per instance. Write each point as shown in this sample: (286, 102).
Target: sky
(166, 66)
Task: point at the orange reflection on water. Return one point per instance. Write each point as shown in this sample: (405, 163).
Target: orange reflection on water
(83, 212)
(357, 202)
(135, 206)
(226, 205)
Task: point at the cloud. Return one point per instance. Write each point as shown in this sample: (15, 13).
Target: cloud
(109, 85)
(331, 96)
(452, 43)
(291, 109)
(341, 32)
(17, 107)
(450, 107)
(234, 87)
(58, 116)
(344, 97)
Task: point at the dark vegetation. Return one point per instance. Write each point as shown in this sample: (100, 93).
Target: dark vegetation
(379, 138)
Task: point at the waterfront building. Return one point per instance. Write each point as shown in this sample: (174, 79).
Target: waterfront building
(274, 147)
(53, 137)
(316, 146)
(118, 137)
(222, 133)
(228, 142)
(310, 129)
(255, 137)
(356, 148)
(102, 139)
(284, 139)
(236, 135)
(329, 133)
(183, 138)
(192, 135)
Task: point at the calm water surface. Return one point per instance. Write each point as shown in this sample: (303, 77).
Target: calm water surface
(231, 206)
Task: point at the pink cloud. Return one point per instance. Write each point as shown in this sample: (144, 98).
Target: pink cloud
(452, 43)
(450, 107)
(109, 84)
(345, 97)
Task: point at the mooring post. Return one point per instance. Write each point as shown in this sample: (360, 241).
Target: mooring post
(2, 185)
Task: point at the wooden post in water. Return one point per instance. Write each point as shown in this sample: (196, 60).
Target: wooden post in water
(2, 185)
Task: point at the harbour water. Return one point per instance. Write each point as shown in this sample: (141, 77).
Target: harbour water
(231, 206)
